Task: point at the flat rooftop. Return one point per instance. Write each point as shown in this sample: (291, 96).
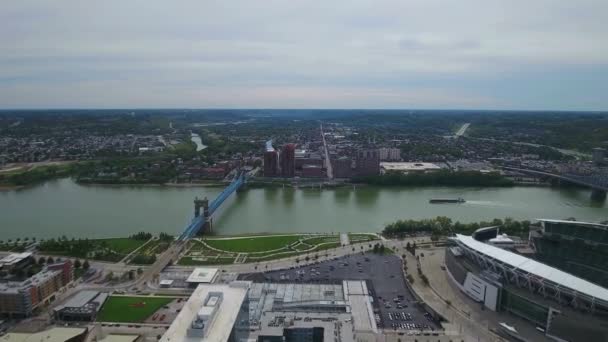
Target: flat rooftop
(58, 334)
(14, 258)
(402, 166)
(202, 275)
(221, 325)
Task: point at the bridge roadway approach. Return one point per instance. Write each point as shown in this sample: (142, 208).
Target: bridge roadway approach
(597, 183)
(199, 224)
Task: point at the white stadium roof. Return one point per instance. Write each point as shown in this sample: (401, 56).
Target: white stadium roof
(536, 268)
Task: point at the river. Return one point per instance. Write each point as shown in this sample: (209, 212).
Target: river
(62, 207)
(197, 140)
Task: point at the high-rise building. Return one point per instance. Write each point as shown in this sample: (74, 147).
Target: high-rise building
(342, 167)
(389, 154)
(288, 160)
(598, 155)
(271, 161)
(368, 162)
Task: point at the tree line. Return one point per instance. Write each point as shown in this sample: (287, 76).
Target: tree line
(443, 226)
(438, 178)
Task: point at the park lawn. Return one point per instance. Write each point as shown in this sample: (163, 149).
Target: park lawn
(127, 309)
(253, 244)
(313, 241)
(122, 245)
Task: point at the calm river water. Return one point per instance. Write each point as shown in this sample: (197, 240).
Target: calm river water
(62, 207)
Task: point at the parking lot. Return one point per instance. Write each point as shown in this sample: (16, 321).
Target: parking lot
(394, 305)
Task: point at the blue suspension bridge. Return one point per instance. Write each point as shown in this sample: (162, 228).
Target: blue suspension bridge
(201, 223)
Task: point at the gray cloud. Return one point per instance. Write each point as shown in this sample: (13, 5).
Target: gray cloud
(200, 53)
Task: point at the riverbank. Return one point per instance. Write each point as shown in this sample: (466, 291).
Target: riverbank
(152, 185)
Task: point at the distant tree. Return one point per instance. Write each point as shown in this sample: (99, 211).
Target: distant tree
(50, 260)
(85, 265)
(140, 271)
(41, 261)
(77, 264)
(131, 275)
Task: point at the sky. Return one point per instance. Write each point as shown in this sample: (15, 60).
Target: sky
(433, 54)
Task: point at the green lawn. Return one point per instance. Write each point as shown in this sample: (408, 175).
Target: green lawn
(253, 244)
(130, 309)
(322, 239)
(122, 245)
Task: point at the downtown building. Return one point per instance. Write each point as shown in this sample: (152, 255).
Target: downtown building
(271, 161)
(389, 154)
(277, 312)
(367, 162)
(288, 161)
(20, 299)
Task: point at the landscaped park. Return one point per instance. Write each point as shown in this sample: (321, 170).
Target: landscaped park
(246, 249)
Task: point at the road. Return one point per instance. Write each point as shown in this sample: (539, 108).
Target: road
(330, 171)
(170, 255)
(463, 129)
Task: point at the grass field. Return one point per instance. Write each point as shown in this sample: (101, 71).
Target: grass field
(130, 309)
(253, 244)
(123, 245)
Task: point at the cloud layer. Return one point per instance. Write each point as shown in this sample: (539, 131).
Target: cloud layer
(541, 54)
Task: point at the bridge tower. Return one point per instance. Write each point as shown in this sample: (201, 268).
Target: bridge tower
(598, 195)
(204, 203)
(198, 203)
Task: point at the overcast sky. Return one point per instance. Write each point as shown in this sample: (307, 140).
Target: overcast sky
(492, 54)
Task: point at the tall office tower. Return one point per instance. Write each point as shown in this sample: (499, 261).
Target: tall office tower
(598, 155)
(271, 161)
(368, 162)
(288, 160)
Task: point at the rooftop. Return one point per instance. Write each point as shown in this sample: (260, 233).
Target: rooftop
(58, 334)
(401, 166)
(119, 338)
(14, 258)
(202, 275)
(536, 268)
(220, 327)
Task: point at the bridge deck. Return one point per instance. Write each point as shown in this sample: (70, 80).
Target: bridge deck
(197, 223)
(595, 181)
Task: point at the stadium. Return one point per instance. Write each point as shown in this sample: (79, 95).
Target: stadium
(562, 305)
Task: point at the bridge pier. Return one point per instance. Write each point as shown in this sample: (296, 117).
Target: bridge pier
(598, 195)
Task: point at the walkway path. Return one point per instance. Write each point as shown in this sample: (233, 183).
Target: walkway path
(126, 258)
(344, 241)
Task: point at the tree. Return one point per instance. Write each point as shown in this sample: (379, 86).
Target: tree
(131, 275)
(85, 265)
(77, 264)
(50, 260)
(140, 271)
(41, 261)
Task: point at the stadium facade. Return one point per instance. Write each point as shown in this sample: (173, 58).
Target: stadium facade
(564, 306)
